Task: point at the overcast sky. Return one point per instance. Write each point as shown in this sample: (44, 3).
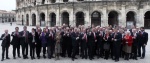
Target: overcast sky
(7, 5)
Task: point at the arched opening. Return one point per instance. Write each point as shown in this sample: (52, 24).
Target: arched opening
(65, 18)
(79, 18)
(130, 19)
(9, 20)
(96, 18)
(13, 20)
(42, 19)
(22, 20)
(65, 0)
(33, 20)
(43, 1)
(53, 19)
(113, 18)
(53, 1)
(27, 19)
(147, 20)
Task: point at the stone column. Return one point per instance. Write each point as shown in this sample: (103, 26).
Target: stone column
(71, 20)
(104, 21)
(57, 17)
(87, 21)
(140, 18)
(122, 18)
(37, 18)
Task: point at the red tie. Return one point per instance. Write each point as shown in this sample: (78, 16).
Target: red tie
(85, 37)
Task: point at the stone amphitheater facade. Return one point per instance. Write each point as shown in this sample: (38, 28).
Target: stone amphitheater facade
(83, 12)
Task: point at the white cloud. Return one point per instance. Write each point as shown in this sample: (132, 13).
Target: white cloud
(7, 5)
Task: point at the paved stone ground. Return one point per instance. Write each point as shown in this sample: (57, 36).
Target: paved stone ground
(64, 60)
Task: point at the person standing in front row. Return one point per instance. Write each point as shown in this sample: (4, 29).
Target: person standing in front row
(57, 45)
(43, 41)
(16, 42)
(32, 43)
(143, 36)
(24, 42)
(5, 44)
(116, 38)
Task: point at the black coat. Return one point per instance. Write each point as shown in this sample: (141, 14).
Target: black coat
(31, 38)
(50, 39)
(143, 38)
(5, 41)
(118, 37)
(22, 38)
(16, 39)
(74, 40)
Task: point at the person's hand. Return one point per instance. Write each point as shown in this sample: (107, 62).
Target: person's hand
(126, 42)
(112, 39)
(95, 40)
(115, 39)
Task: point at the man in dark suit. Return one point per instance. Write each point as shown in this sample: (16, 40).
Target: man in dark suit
(116, 38)
(32, 42)
(5, 44)
(24, 42)
(38, 43)
(50, 43)
(84, 40)
(91, 42)
(75, 38)
(143, 36)
(16, 42)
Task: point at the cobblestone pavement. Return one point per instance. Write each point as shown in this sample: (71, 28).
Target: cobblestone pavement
(65, 60)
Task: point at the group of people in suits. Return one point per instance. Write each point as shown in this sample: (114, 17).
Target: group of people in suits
(87, 42)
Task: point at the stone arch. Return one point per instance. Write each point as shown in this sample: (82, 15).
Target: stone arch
(113, 18)
(96, 18)
(65, 18)
(52, 17)
(33, 19)
(80, 18)
(147, 20)
(42, 19)
(130, 19)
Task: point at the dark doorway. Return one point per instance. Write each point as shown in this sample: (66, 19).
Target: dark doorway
(79, 18)
(96, 19)
(65, 18)
(147, 20)
(113, 18)
(33, 20)
(27, 19)
(42, 19)
(53, 19)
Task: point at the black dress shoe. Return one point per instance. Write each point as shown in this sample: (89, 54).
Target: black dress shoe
(75, 58)
(142, 58)
(27, 58)
(7, 58)
(38, 57)
(19, 56)
(72, 59)
(14, 57)
(52, 56)
(2, 60)
(116, 60)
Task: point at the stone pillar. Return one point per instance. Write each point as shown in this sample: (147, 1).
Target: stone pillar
(104, 21)
(71, 20)
(46, 18)
(37, 18)
(87, 18)
(140, 18)
(57, 17)
(122, 18)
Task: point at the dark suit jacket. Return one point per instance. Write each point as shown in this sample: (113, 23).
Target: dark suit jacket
(5, 41)
(118, 37)
(22, 38)
(143, 38)
(74, 36)
(31, 37)
(50, 39)
(16, 39)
